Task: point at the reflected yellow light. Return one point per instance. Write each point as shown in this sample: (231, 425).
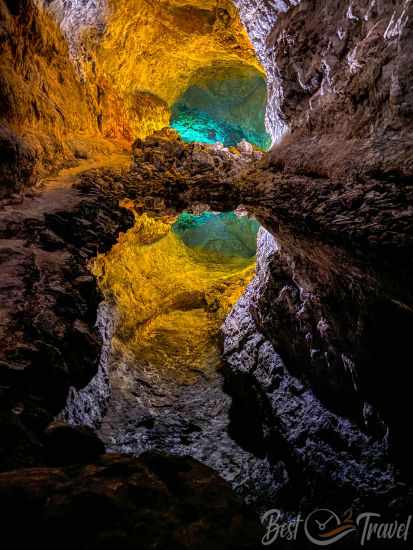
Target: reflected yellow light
(171, 298)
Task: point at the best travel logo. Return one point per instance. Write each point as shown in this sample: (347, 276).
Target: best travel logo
(323, 527)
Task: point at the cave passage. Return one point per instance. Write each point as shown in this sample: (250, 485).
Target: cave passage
(174, 280)
(224, 104)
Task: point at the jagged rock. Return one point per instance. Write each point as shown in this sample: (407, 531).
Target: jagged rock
(278, 413)
(336, 194)
(319, 349)
(178, 174)
(49, 303)
(121, 502)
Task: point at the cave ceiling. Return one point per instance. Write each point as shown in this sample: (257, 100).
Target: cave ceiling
(138, 57)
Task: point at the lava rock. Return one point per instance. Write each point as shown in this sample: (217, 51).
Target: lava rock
(19, 447)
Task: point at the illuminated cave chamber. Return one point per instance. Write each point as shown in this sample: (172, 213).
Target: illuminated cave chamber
(226, 234)
(223, 104)
(174, 284)
(174, 281)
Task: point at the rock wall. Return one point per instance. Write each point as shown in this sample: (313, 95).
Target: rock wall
(259, 19)
(336, 193)
(87, 406)
(277, 413)
(45, 113)
(77, 74)
(49, 303)
(117, 46)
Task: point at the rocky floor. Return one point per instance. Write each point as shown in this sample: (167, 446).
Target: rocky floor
(302, 429)
(49, 304)
(122, 502)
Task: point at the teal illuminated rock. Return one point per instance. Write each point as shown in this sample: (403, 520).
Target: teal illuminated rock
(227, 109)
(224, 233)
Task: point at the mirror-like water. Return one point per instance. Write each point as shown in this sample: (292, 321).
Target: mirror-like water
(173, 282)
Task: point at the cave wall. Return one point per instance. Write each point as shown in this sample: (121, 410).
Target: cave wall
(260, 18)
(225, 104)
(117, 45)
(45, 111)
(77, 74)
(335, 191)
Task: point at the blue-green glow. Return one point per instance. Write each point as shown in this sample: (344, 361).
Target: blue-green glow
(227, 105)
(194, 125)
(224, 233)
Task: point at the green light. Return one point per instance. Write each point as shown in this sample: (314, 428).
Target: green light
(225, 110)
(226, 233)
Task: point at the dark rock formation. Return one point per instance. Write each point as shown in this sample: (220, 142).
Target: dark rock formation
(65, 444)
(327, 457)
(317, 351)
(153, 501)
(336, 300)
(169, 173)
(49, 304)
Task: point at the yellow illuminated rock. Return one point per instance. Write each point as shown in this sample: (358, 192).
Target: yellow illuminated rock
(152, 51)
(73, 74)
(171, 298)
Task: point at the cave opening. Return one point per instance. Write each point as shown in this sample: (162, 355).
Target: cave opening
(223, 103)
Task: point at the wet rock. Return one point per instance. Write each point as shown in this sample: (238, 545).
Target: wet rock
(184, 174)
(336, 193)
(278, 408)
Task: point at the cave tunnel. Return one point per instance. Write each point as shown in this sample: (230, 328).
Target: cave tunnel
(205, 272)
(223, 104)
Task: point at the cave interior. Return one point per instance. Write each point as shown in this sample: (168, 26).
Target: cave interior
(206, 247)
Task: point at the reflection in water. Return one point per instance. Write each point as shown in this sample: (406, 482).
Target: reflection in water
(174, 282)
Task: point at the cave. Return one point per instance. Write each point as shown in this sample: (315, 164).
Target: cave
(206, 239)
(225, 104)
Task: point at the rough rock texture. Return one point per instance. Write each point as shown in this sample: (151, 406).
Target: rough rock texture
(47, 115)
(341, 285)
(75, 75)
(154, 501)
(259, 18)
(345, 79)
(87, 406)
(327, 457)
(319, 348)
(169, 173)
(225, 104)
(48, 305)
(116, 46)
(336, 193)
